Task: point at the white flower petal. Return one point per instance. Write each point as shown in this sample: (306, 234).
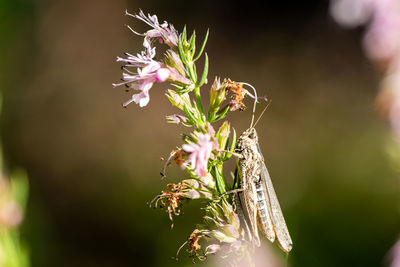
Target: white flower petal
(188, 148)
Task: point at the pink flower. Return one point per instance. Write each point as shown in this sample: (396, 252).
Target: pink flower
(382, 39)
(164, 32)
(395, 254)
(149, 71)
(200, 153)
(351, 13)
(140, 60)
(10, 214)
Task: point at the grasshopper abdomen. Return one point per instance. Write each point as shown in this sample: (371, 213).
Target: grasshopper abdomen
(264, 212)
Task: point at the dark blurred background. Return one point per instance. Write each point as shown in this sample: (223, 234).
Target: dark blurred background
(93, 165)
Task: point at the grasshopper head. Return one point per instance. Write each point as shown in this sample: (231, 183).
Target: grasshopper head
(247, 139)
(250, 135)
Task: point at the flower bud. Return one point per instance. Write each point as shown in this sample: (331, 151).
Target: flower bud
(217, 93)
(223, 135)
(181, 80)
(196, 190)
(176, 119)
(179, 100)
(212, 249)
(173, 60)
(230, 230)
(222, 236)
(162, 74)
(208, 180)
(217, 96)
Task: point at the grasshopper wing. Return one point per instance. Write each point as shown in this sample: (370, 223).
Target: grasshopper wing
(281, 231)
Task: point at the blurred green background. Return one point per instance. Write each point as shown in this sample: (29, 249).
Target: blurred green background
(93, 165)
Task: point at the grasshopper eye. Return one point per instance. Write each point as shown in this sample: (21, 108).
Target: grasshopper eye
(238, 147)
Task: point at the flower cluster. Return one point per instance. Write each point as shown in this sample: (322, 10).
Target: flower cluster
(223, 230)
(205, 149)
(150, 70)
(382, 46)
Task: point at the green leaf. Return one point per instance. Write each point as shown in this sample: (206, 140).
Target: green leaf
(233, 145)
(184, 35)
(181, 44)
(194, 72)
(181, 89)
(191, 173)
(227, 143)
(211, 115)
(195, 105)
(202, 47)
(192, 44)
(192, 119)
(182, 53)
(222, 115)
(236, 181)
(187, 138)
(205, 71)
(216, 172)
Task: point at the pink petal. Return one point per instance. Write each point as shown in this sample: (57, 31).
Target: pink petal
(188, 148)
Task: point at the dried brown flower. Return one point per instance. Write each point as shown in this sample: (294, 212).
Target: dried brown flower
(171, 200)
(195, 247)
(237, 96)
(178, 157)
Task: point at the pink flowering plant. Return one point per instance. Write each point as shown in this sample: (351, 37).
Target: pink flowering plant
(204, 150)
(382, 46)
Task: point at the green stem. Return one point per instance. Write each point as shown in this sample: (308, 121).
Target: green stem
(191, 72)
(199, 103)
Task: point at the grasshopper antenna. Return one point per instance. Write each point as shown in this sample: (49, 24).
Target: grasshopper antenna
(262, 113)
(255, 101)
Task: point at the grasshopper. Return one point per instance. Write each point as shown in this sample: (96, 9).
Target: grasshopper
(258, 196)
